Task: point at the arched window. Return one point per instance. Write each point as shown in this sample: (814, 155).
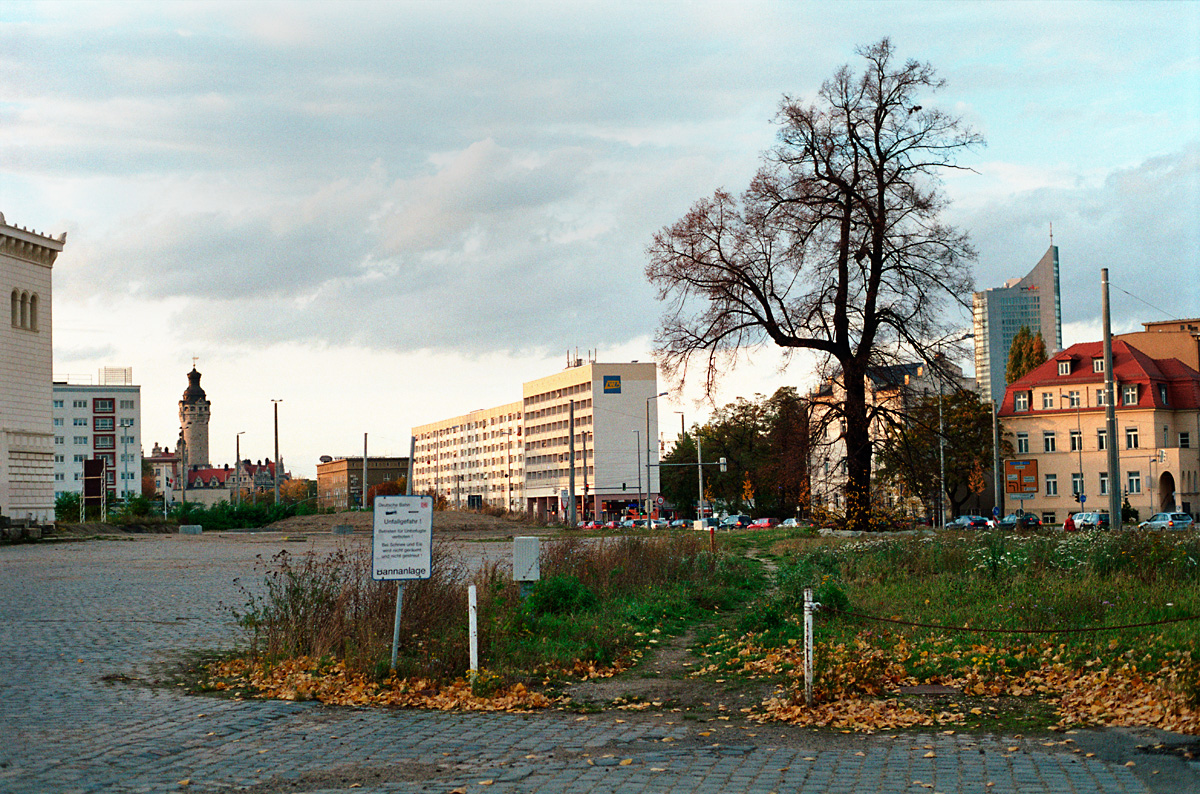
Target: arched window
(24, 309)
(33, 312)
(16, 309)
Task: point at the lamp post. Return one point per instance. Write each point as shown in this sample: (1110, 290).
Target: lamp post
(649, 487)
(125, 425)
(637, 451)
(237, 465)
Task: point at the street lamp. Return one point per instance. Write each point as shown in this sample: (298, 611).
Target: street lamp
(276, 402)
(237, 465)
(649, 487)
(637, 451)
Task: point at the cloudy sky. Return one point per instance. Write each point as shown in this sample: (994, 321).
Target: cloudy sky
(386, 214)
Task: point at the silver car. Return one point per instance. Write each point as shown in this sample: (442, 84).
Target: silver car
(1168, 521)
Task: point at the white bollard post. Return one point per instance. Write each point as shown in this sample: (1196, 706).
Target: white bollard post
(808, 645)
(474, 672)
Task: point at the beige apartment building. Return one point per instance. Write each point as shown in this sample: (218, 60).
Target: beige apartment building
(519, 454)
(1055, 415)
(473, 459)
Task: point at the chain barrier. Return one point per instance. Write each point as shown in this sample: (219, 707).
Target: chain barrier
(876, 618)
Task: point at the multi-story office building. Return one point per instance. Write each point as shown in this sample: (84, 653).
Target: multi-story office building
(998, 314)
(520, 454)
(339, 480)
(27, 446)
(1055, 416)
(101, 421)
(473, 459)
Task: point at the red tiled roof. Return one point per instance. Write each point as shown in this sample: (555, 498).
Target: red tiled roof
(1130, 365)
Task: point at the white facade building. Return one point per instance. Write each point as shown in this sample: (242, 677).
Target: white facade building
(101, 421)
(26, 371)
(519, 454)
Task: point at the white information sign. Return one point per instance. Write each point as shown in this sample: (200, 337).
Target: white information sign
(403, 538)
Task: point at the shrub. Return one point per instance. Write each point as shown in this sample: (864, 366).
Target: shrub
(560, 595)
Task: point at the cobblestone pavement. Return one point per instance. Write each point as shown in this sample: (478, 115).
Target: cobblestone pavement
(83, 626)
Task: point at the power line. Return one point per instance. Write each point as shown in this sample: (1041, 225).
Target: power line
(1164, 312)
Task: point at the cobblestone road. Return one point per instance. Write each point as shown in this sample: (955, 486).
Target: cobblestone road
(84, 625)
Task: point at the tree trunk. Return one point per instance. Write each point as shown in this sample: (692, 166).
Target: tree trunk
(857, 438)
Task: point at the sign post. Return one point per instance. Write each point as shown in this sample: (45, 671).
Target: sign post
(401, 547)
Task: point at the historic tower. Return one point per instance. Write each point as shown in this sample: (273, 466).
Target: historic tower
(194, 411)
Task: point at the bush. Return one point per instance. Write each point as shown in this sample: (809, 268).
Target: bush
(560, 595)
(66, 507)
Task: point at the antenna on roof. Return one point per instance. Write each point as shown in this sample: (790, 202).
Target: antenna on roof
(1052, 233)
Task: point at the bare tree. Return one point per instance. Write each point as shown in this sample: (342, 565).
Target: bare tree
(836, 246)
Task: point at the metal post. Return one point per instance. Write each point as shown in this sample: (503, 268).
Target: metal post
(700, 475)
(473, 622)
(941, 457)
(997, 465)
(808, 645)
(572, 516)
(276, 402)
(649, 442)
(412, 448)
(583, 437)
(1110, 412)
(638, 452)
(362, 501)
(237, 465)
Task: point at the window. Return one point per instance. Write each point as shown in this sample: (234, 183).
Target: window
(1047, 400)
(1101, 439)
(126, 405)
(1166, 436)
(1076, 441)
(81, 421)
(1021, 401)
(1022, 443)
(1051, 485)
(1133, 482)
(60, 439)
(104, 405)
(1101, 397)
(60, 458)
(126, 439)
(1129, 394)
(1048, 517)
(1097, 365)
(103, 423)
(60, 476)
(1076, 484)
(1073, 399)
(104, 442)
(1131, 438)
(1185, 440)
(80, 440)
(1049, 443)
(80, 458)
(1104, 483)
(1064, 367)
(79, 404)
(58, 421)
(58, 403)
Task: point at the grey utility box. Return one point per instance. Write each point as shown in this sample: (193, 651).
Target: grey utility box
(525, 560)
(190, 529)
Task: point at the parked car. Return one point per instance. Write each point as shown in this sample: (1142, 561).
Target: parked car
(1086, 521)
(614, 524)
(764, 523)
(1023, 521)
(968, 522)
(707, 523)
(680, 523)
(736, 522)
(1168, 521)
(790, 522)
(659, 523)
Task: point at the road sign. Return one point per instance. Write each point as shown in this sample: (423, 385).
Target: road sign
(402, 538)
(1022, 496)
(996, 512)
(1020, 477)
(1082, 498)
(659, 500)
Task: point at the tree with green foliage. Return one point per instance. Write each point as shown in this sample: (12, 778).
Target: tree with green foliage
(910, 455)
(766, 443)
(1027, 353)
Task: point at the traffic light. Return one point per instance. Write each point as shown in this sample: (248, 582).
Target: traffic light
(623, 486)
(724, 464)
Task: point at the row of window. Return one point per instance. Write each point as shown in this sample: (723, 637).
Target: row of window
(25, 309)
(1132, 440)
(103, 423)
(1072, 399)
(103, 405)
(1133, 483)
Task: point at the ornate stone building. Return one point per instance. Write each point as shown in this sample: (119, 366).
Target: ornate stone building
(194, 412)
(27, 440)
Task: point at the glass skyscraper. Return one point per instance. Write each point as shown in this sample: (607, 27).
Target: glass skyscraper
(1000, 312)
